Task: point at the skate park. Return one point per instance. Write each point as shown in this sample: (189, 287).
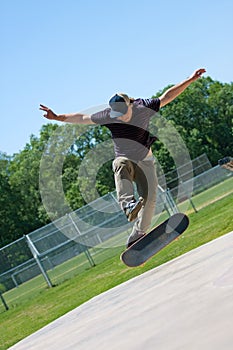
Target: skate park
(184, 304)
(63, 284)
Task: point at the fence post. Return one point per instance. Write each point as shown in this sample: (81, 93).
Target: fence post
(188, 197)
(35, 255)
(86, 251)
(14, 281)
(4, 302)
(192, 204)
(169, 202)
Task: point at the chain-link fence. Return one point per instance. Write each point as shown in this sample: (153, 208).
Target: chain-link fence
(85, 233)
(87, 236)
(15, 259)
(186, 172)
(200, 183)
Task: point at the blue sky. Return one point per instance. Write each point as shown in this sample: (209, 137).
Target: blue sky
(75, 54)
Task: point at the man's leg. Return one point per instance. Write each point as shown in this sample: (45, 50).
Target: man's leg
(124, 173)
(146, 181)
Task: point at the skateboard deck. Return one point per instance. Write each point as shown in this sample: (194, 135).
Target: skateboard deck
(158, 238)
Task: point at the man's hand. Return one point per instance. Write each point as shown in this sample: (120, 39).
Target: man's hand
(197, 74)
(74, 118)
(49, 113)
(170, 94)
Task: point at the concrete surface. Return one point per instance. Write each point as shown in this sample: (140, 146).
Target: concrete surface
(186, 303)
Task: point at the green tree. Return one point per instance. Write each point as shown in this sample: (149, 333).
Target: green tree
(10, 227)
(88, 158)
(203, 116)
(24, 178)
(50, 165)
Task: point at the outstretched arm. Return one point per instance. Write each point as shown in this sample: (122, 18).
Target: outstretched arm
(177, 89)
(74, 118)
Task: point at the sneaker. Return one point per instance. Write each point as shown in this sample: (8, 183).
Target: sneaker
(132, 209)
(133, 240)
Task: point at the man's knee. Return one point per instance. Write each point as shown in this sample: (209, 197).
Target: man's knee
(122, 163)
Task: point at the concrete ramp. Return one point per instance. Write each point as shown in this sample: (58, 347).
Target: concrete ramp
(186, 303)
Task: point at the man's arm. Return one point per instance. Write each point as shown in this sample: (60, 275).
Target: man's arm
(74, 118)
(177, 89)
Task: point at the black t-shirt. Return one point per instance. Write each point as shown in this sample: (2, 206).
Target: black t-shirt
(131, 139)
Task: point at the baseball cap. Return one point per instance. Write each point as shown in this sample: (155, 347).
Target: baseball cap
(119, 105)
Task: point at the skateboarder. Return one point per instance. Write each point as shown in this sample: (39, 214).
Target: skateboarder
(128, 121)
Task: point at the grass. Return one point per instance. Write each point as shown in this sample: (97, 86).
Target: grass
(39, 306)
(209, 196)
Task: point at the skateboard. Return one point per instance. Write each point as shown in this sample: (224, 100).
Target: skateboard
(158, 238)
(226, 163)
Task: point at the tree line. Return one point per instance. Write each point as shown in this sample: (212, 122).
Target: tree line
(202, 115)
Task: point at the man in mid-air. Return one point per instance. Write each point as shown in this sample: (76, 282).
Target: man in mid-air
(128, 121)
